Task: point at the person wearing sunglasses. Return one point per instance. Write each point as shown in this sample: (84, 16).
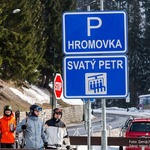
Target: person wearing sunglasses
(56, 131)
(34, 134)
(7, 128)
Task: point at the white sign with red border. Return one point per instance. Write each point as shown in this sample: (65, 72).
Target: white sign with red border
(58, 86)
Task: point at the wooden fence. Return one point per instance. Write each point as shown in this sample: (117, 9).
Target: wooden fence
(112, 141)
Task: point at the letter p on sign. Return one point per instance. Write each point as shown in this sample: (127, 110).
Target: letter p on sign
(89, 27)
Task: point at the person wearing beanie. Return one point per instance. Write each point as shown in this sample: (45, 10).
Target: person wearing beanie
(56, 131)
(34, 135)
(7, 128)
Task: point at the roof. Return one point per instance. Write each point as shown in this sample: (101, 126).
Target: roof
(142, 120)
(147, 95)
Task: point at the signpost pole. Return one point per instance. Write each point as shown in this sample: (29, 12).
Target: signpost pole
(89, 124)
(53, 83)
(128, 100)
(101, 5)
(52, 97)
(104, 132)
(89, 114)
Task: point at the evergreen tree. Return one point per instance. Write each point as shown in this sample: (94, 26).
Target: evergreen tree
(53, 33)
(21, 48)
(135, 50)
(2, 18)
(95, 5)
(146, 48)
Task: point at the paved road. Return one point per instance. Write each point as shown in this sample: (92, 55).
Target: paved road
(113, 119)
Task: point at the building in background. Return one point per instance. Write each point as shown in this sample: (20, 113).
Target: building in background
(145, 101)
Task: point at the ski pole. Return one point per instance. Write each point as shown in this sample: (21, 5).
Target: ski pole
(17, 119)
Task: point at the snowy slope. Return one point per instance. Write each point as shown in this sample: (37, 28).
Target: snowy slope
(38, 95)
(33, 95)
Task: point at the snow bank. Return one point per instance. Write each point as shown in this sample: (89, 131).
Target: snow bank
(72, 101)
(132, 111)
(37, 95)
(32, 95)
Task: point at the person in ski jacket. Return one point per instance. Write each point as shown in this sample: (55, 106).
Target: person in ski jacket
(7, 128)
(56, 131)
(33, 128)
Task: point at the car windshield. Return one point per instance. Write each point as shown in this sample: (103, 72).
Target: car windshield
(140, 127)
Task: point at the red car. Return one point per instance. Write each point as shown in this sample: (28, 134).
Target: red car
(138, 128)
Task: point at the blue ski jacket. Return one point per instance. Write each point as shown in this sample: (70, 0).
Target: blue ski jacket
(34, 137)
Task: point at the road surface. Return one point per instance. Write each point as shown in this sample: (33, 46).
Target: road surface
(114, 119)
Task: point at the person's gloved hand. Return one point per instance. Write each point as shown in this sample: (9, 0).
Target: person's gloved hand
(45, 144)
(68, 147)
(24, 127)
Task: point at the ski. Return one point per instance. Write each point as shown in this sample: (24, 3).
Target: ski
(43, 119)
(24, 131)
(17, 119)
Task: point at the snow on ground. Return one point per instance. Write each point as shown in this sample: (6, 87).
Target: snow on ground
(36, 95)
(132, 111)
(32, 95)
(72, 101)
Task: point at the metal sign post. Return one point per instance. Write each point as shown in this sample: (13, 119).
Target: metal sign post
(104, 132)
(89, 124)
(88, 121)
(101, 5)
(128, 101)
(89, 114)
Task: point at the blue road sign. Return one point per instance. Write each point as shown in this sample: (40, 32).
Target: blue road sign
(94, 32)
(95, 76)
